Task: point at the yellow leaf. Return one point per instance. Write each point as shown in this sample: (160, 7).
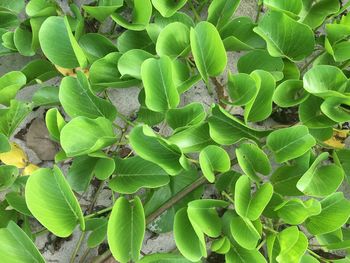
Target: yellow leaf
(16, 156)
(338, 138)
(29, 169)
(71, 72)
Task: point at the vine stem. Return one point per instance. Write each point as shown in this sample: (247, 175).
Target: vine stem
(77, 247)
(317, 256)
(100, 212)
(307, 64)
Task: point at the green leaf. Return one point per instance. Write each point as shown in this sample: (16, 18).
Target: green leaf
(221, 246)
(98, 228)
(15, 6)
(295, 211)
(187, 241)
(83, 135)
(39, 69)
(237, 254)
(335, 213)
(320, 180)
(204, 217)
(214, 159)
(164, 258)
(311, 115)
(290, 143)
(4, 144)
(104, 9)
(155, 149)
(189, 115)
(174, 40)
(160, 90)
(84, 168)
(244, 232)
(315, 12)
(77, 99)
(17, 202)
(241, 88)
(226, 129)
(336, 109)
(248, 205)
(168, 8)
(104, 74)
(11, 118)
(291, 8)
(220, 11)
(252, 160)
(10, 83)
(324, 81)
(54, 205)
(285, 37)
(192, 139)
(261, 60)
(126, 229)
(129, 40)
(22, 39)
(8, 19)
(285, 178)
(134, 173)
(260, 107)
(238, 35)
(293, 244)
(54, 123)
(290, 93)
(38, 8)
(16, 246)
(129, 64)
(141, 14)
(46, 96)
(8, 175)
(208, 50)
(59, 51)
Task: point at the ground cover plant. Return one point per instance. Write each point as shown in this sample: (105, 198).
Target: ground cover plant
(274, 189)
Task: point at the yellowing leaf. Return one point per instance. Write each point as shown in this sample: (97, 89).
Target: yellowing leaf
(16, 156)
(338, 138)
(29, 169)
(71, 71)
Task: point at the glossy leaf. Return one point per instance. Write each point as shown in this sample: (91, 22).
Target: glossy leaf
(8, 175)
(104, 9)
(83, 135)
(129, 64)
(208, 50)
(220, 11)
(290, 93)
(135, 173)
(290, 143)
(169, 8)
(54, 205)
(10, 83)
(285, 37)
(126, 229)
(241, 88)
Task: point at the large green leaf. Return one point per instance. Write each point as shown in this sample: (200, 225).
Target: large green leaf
(10, 83)
(290, 143)
(292, 8)
(141, 14)
(285, 37)
(204, 217)
(238, 254)
(22, 39)
(38, 8)
(248, 205)
(16, 246)
(321, 180)
(39, 69)
(241, 88)
(46, 96)
(260, 107)
(252, 160)
(208, 50)
(285, 178)
(335, 212)
(214, 159)
(160, 89)
(83, 135)
(155, 149)
(77, 99)
(186, 238)
(52, 202)
(134, 173)
(126, 229)
(220, 11)
(104, 9)
(8, 175)
(59, 50)
(129, 64)
(244, 232)
(174, 40)
(227, 129)
(325, 80)
(315, 12)
(295, 211)
(168, 8)
(290, 93)
(336, 109)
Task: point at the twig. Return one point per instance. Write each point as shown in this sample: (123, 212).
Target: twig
(77, 247)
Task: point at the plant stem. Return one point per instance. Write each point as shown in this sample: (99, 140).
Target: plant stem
(100, 212)
(41, 232)
(307, 64)
(195, 13)
(259, 9)
(317, 256)
(227, 196)
(125, 119)
(75, 252)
